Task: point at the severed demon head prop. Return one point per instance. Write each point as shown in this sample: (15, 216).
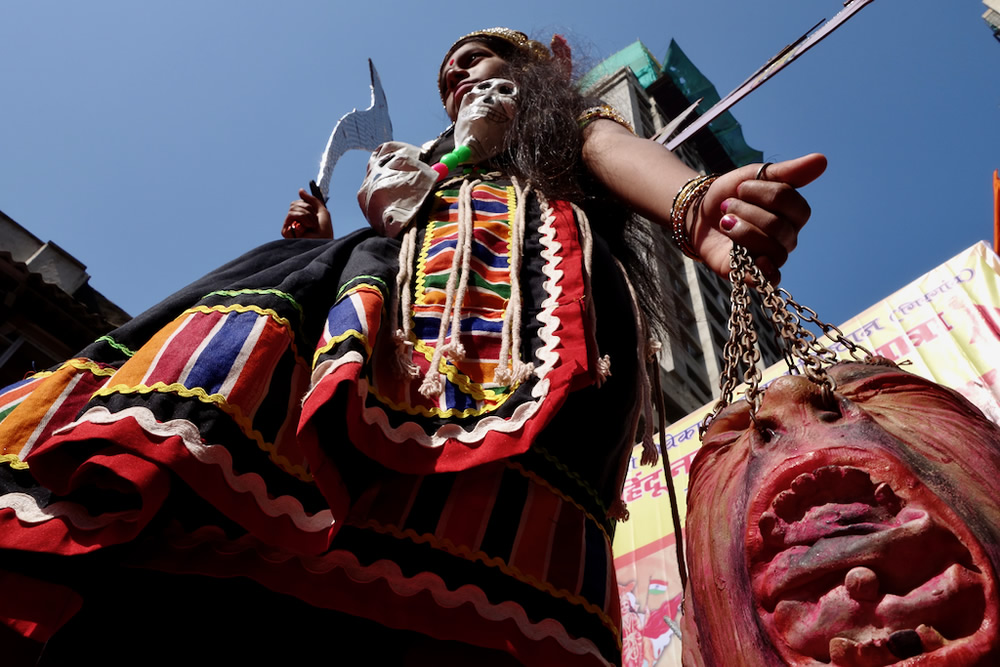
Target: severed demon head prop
(861, 532)
(395, 187)
(486, 112)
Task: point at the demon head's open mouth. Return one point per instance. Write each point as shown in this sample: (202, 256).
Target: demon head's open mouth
(851, 570)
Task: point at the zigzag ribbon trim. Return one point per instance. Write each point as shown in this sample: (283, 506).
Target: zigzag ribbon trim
(542, 482)
(13, 461)
(405, 587)
(350, 284)
(26, 509)
(591, 491)
(220, 401)
(278, 293)
(118, 346)
(216, 455)
(465, 552)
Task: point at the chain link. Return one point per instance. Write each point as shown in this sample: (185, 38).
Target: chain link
(802, 352)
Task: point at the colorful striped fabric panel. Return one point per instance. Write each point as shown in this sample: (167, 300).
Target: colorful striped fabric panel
(214, 398)
(357, 314)
(227, 356)
(32, 409)
(469, 386)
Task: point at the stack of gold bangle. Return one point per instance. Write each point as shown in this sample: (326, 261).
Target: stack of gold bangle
(690, 194)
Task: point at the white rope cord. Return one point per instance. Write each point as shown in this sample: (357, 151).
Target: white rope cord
(433, 383)
(512, 370)
(407, 255)
(649, 453)
(521, 370)
(600, 364)
(466, 215)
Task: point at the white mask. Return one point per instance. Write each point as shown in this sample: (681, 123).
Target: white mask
(486, 112)
(395, 187)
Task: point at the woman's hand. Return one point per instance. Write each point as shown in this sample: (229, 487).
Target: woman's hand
(763, 215)
(308, 218)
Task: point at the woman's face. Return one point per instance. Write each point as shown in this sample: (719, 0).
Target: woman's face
(469, 64)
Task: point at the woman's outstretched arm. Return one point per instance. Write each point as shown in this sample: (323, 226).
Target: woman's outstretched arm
(765, 216)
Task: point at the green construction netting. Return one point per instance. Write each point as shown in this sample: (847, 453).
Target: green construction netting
(689, 80)
(635, 56)
(693, 84)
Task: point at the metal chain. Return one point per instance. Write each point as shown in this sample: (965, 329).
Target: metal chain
(802, 352)
(742, 343)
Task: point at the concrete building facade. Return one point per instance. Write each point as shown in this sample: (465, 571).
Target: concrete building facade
(992, 16)
(48, 310)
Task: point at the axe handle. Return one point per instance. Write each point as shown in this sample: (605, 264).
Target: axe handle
(316, 192)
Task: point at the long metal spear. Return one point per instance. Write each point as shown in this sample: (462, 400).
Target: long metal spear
(770, 68)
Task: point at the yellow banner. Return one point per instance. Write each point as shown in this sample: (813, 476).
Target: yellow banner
(944, 326)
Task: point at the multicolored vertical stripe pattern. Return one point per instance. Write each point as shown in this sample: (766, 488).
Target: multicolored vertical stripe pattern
(550, 543)
(31, 410)
(492, 554)
(357, 314)
(469, 386)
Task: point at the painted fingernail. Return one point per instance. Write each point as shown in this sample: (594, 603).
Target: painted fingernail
(728, 222)
(724, 205)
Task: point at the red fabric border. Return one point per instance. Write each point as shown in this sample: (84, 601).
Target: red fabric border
(33, 608)
(139, 465)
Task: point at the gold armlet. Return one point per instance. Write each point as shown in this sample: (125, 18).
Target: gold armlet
(605, 111)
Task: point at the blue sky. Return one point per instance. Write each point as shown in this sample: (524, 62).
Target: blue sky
(155, 141)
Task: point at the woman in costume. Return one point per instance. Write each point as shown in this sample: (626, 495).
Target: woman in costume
(413, 437)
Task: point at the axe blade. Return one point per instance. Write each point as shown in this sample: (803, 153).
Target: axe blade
(362, 130)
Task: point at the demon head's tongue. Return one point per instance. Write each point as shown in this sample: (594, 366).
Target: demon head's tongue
(831, 500)
(851, 574)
